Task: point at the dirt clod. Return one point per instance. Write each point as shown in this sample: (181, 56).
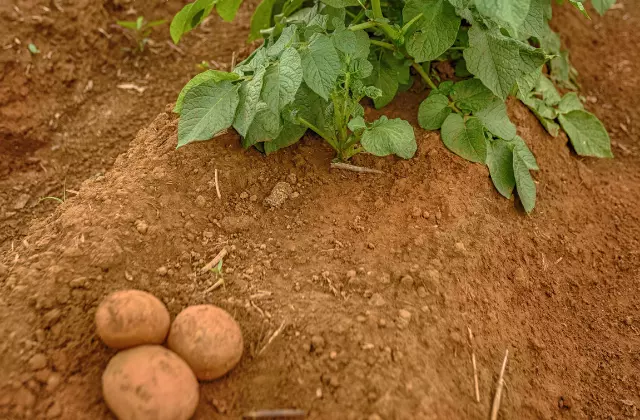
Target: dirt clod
(38, 361)
(279, 194)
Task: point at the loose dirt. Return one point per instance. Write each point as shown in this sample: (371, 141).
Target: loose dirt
(378, 279)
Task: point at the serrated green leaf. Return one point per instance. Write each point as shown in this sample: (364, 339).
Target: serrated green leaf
(282, 80)
(208, 108)
(433, 111)
(249, 98)
(227, 9)
(495, 118)
(499, 61)
(602, 6)
(587, 134)
(522, 150)
(209, 75)
(524, 183)
(471, 95)
(435, 32)
(500, 163)
(261, 19)
(465, 138)
(387, 137)
(570, 102)
(509, 12)
(321, 65)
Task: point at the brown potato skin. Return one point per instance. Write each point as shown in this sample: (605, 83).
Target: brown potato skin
(150, 382)
(129, 318)
(208, 339)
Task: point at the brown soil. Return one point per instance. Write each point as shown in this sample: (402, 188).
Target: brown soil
(378, 278)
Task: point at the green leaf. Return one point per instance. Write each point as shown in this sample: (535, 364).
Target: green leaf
(362, 45)
(500, 163)
(587, 134)
(127, 24)
(265, 126)
(209, 75)
(521, 149)
(261, 19)
(345, 41)
(249, 99)
(340, 3)
(524, 183)
(282, 80)
(387, 70)
(33, 49)
(290, 134)
(570, 102)
(508, 12)
(435, 32)
(465, 138)
(288, 36)
(208, 108)
(433, 111)
(602, 6)
(499, 61)
(321, 65)
(535, 23)
(227, 9)
(386, 137)
(496, 120)
(549, 92)
(471, 95)
(356, 124)
(189, 17)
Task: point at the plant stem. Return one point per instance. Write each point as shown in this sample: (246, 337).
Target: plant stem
(455, 108)
(321, 133)
(409, 24)
(383, 44)
(362, 26)
(425, 76)
(388, 29)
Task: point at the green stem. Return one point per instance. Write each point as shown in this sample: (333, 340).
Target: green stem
(409, 24)
(321, 133)
(385, 45)
(425, 76)
(359, 17)
(388, 29)
(362, 26)
(455, 108)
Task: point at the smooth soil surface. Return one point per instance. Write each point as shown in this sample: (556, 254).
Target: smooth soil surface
(376, 280)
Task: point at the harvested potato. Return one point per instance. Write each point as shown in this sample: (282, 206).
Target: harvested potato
(150, 382)
(208, 339)
(129, 318)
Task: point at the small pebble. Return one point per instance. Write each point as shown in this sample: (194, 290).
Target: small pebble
(201, 201)
(351, 274)
(361, 318)
(141, 226)
(377, 300)
(407, 281)
(38, 361)
(244, 195)
(404, 314)
(317, 342)
(422, 292)
(162, 271)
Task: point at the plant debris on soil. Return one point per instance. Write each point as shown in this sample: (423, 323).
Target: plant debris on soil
(372, 280)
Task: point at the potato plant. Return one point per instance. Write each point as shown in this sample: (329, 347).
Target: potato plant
(321, 58)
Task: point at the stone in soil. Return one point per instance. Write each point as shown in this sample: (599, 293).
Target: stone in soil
(279, 194)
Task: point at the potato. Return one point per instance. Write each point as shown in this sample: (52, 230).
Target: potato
(150, 382)
(129, 318)
(208, 339)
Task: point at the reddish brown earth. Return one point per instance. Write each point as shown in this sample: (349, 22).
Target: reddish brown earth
(378, 278)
